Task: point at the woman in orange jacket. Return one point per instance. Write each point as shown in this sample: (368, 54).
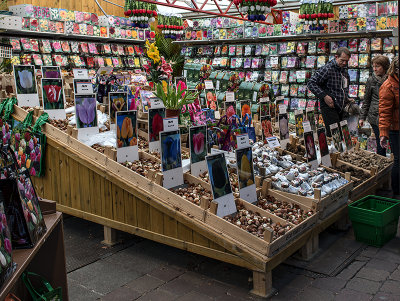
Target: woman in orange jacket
(389, 118)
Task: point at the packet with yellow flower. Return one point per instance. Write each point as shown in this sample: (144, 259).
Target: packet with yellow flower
(363, 60)
(381, 23)
(361, 24)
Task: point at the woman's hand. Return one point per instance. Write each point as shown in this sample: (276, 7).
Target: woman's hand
(384, 141)
(361, 123)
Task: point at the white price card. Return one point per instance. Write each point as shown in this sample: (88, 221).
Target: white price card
(264, 99)
(242, 141)
(170, 124)
(156, 103)
(255, 96)
(184, 73)
(298, 112)
(230, 96)
(307, 126)
(83, 86)
(217, 85)
(81, 73)
(209, 84)
(282, 109)
(273, 142)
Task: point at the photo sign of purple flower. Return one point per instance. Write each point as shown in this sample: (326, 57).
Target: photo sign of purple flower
(86, 111)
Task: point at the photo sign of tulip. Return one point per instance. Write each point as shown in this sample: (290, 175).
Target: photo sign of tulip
(126, 128)
(198, 143)
(118, 102)
(86, 112)
(25, 79)
(53, 94)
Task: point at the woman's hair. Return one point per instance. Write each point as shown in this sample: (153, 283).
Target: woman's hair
(382, 61)
(394, 66)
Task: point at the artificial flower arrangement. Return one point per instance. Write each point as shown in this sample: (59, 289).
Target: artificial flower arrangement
(171, 26)
(141, 13)
(157, 68)
(255, 9)
(316, 13)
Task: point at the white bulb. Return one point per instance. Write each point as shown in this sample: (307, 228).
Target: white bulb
(257, 7)
(326, 21)
(315, 22)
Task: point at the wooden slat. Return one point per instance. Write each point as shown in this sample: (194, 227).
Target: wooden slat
(170, 226)
(130, 209)
(185, 233)
(143, 214)
(74, 184)
(156, 220)
(118, 204)
(200, 240)
(65, 180)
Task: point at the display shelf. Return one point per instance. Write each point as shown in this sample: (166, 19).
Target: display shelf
(24, 33)
(311, 36)
(46, 258)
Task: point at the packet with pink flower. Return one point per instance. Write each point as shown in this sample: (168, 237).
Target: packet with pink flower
(333, 26)
(37, 59)
(16, 46)
(388, 44)
(65, 46)
(353, 62)
(47, 60)
(34, 45)
(364, 45)
(353, 44)
(84, 47)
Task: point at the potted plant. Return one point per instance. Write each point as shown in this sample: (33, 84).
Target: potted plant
(174, 98)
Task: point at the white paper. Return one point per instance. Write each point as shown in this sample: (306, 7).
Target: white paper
(230, 96)
(84, 87)
(298, 112)
(85, 133)
(173, 177)
(274, 60)
(242, 141)
(255, 93)
(249, 193)
(217, 85)
(282, 109)
(129, 153)
(155, 146)
(326, 161)
(197, 168)
(156, 103)
(208, 84)
(81, 73)
(343, 123)
(273, 142)
(308, 109)
(28, 100)
(56, 114)
(184, 73)
(307, 126)
(170, 124)
(279, 98)
(226, 205)
(264, 99)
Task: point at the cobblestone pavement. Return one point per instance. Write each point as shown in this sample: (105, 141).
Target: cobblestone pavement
(152, 271)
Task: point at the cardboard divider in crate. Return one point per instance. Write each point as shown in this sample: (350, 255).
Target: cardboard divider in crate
(365, 187)
(324, 205)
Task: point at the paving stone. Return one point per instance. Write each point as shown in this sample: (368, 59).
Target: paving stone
(396, 275)
(158, 295)
(363, 258)
(123, 293)
(382, 265)
(213, 289)
(373, 274)
(350, 295)
(194, 296)
(393, 245)
(178, 287)
(315, 294)
(332, 284)
(167, 272)
(392, 287)
(285, 294)
(194, 278)
(80, 293)
(145, 284)
(388, 255)
(103, 277)
(300, 282)
(381, 296)
(369, 251)
(351, 270)
(363, 285)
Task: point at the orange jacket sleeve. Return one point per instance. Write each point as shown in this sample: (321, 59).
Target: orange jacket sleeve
(386, 106)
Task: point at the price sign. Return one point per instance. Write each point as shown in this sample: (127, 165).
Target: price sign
(184, 73)
(264, 99)
(255, 96)
(209, 84)
(156, 102)
(274, 60)
(279, 98)
(282, 109)
(230, 96)
(81, 73)
(298, 112)
(217, 85)
(170, 124)
(83, 86)
(307, 126)
(242, 141)
(273, 142)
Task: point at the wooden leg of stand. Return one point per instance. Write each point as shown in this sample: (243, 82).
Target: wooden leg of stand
(262, 283)
(310, 248)
(110, 237)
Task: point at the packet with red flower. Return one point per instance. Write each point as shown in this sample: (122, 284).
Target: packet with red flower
(34, 24)
(59, 27)
(84, 47)
(65, 46)
(26, 44)
(16, 46)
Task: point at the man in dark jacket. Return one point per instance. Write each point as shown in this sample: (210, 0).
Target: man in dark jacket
(330, 84)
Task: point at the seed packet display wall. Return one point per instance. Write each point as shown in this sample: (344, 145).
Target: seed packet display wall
(25, 83)
(53, 97)
(126, 125)
(86, 115)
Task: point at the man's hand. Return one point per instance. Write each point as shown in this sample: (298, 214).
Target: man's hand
(329, 101)
(384, 141)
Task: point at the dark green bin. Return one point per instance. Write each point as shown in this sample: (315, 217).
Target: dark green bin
(374, 219)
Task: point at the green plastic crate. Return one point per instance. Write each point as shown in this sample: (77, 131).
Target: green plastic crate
(374, 219)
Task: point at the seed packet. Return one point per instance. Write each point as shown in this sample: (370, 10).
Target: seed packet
(301, 48)
(37, 59)
(276, 89)
(284, 62)
(299, 28)
(26, 23)
(52, 26)
(393, 8)
(230, 34)
(334, 45)
(309, 94)
(270, 30)
(364, 75)
(277, 29)
(256, 63)
(274, 60)
(312, 47)
(371, 9)
(352, 25)
(301, 75)
(303, 60)
(353, 91)
(275, 76)
(273, 49)
(15, 60)
(65, 46)
(268, 76)
(364, 45)
(382, 9)
(388, 44)
(301, 92)
(16, 46)
(258, 49)
(381, 23)
(223, 62)
(370, 23)
(342, 43)
(343, 12)
(54, 14)
(322, 47)
(333, 26)
(293, 90)
(239, 32)
(247, 63)
(321, 61)
(343, 26)
(282, 48)
(284, 77)
(217, 50)
(353, 44)
(248, 50)
(78, 17)
(74, 47)
(361, 24)
(353, 62)
(222, 34)
(239, 50)
(361, 10)
(59, 27)
(239, 62)
(34, 24)
(93, 48)
(262, 30)
(267, 64)
(285, 90)
(292, 76)
(90, 30)
(353, 74)
(47, 60)
(233, 63)
(392, 22)
(352, 11)
(293, 62)
(44, 25)
(232, 50)
(361, 91)
(84, 47)
(310, 62)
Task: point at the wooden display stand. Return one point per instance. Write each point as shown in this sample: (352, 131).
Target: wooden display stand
(46, 258)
